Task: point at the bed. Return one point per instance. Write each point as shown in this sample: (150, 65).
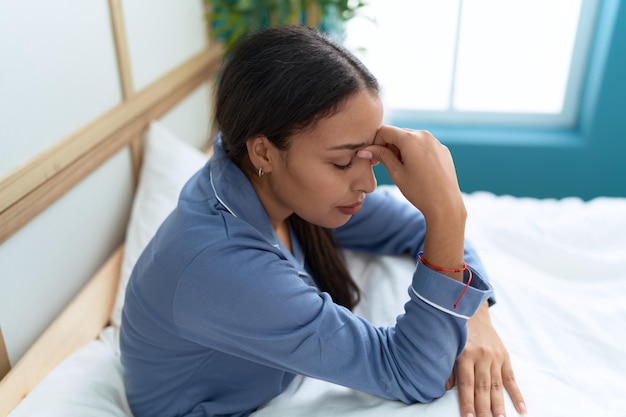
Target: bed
(558, 267)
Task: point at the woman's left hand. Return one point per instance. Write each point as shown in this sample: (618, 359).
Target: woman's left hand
(483, 371)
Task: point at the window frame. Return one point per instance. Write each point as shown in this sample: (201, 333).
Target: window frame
(568, 118)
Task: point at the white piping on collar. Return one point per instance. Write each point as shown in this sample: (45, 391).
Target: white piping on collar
(217, 196)
(301, 273)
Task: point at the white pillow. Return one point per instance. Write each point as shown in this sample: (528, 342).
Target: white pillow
(88, 383)
(168, 163)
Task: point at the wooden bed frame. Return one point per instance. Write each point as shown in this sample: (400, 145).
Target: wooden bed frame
(90, 310)
(78, 324)
(32, 188)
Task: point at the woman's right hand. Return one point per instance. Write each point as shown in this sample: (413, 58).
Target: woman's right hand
(422, 168)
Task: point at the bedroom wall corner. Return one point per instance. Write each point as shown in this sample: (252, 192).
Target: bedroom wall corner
(5, 365)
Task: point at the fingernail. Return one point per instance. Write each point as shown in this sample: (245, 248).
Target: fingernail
(522, 408)
(469, 415)
(365, 154)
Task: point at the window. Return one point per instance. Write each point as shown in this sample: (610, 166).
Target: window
(489, 62)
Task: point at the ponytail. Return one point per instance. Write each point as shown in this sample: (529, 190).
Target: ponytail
(326, 263)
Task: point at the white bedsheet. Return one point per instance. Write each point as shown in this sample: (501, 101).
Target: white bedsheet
(559, 269)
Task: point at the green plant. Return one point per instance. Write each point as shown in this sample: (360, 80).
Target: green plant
(230, 20)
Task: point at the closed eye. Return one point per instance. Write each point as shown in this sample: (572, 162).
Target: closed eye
(342, 167)
(348, 165)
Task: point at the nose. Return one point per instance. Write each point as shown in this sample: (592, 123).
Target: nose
(365, 180)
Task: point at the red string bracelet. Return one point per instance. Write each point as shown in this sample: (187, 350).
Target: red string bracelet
(440, 269)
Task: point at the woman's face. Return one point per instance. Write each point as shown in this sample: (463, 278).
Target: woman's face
(319, 176)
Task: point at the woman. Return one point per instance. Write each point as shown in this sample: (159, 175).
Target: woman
(243, 286)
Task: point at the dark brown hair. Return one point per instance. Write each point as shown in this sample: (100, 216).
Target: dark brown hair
(278, 82)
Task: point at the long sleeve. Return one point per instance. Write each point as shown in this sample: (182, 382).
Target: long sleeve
(266, 314)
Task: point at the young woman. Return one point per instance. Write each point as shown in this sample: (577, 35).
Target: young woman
(243, 286)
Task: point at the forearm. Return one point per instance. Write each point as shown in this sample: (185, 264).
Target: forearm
(444, 244)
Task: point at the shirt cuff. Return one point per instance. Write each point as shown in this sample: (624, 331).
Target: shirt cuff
(441, 292)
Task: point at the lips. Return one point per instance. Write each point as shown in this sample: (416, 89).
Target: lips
(351, 209)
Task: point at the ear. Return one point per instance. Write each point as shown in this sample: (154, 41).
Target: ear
(260, 152)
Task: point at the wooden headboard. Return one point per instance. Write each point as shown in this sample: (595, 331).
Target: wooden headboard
(37, 185)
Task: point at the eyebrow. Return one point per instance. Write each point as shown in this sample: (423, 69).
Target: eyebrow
(349, 146)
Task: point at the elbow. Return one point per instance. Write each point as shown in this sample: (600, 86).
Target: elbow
(422, 397)
(424, 391)
(429, 395)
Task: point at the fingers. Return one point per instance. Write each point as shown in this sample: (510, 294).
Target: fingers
(385, 149)
(481, 392)
(465, 382)
(510, 384)
(404, 144)
(385, 154)
(496, 394)
(421, 167)
(391, 135)
(485, 372)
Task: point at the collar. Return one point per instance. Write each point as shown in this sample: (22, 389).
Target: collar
(235, 192)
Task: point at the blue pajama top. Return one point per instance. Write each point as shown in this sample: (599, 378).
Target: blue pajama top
(219, 318)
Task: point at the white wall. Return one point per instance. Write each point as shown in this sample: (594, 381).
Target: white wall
(58, 71)
(48, 261)
(161, 35)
